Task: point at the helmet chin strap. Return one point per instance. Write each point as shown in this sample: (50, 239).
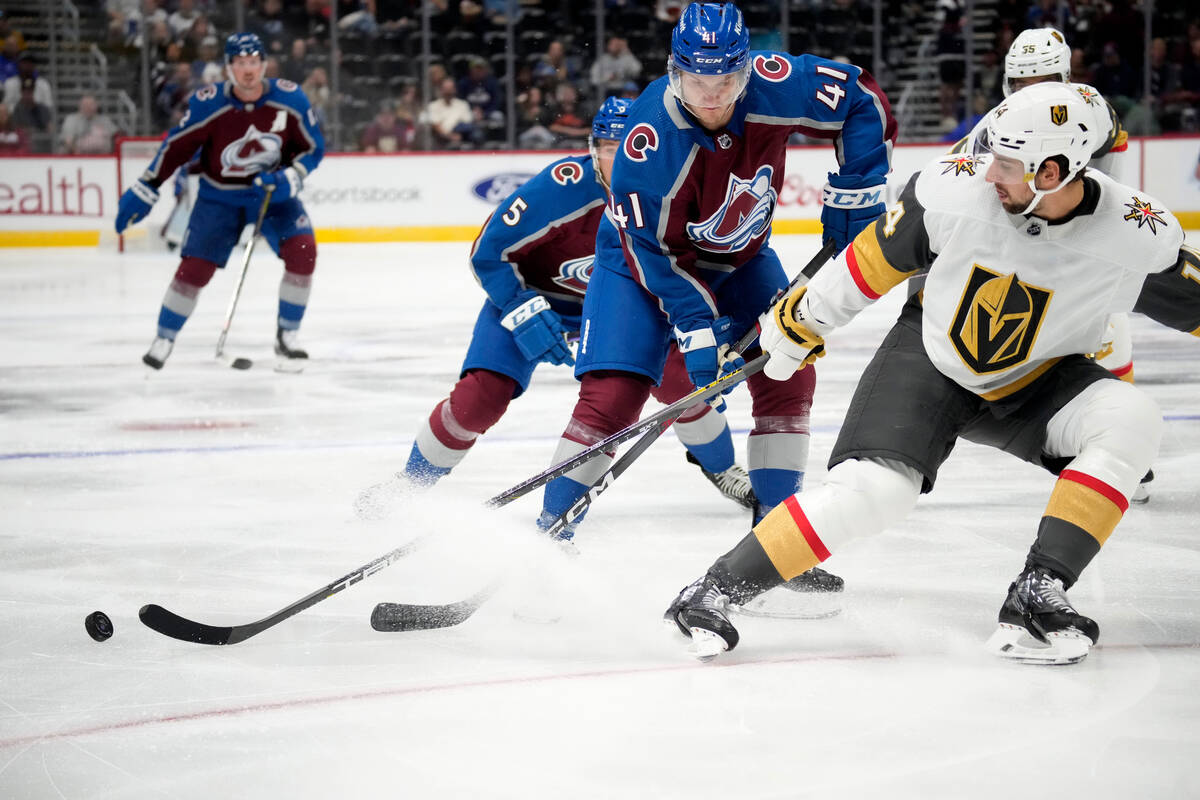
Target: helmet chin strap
(1038, 194)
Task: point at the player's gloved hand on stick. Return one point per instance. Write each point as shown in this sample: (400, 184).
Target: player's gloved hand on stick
(287, 183)
(706, 352)
(135, 204)
(790, 336)
(851, 203)
(537, 329)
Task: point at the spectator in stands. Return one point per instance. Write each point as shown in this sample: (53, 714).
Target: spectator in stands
(615, 67)
(13, 140)
(471, 18)
(569, 125)
(533, 120)
(1115, 80)
(449, 117)
(316, 89)
(29, 113)
(171, 99)
(669, 10)
(193, 40)
(8, 61)
(952, 66)
(555, 66)
(272, 70)
(989, 79)
(129, 19)
(408, 105)
(209, 66)
(14, 86)
(269, 22)
(482, 92)
(387, 133)
(294, 67)
(87, 131)
(185, 15)
(9, 34)
(1081, 70)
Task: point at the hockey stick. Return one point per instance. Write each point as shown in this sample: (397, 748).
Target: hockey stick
(241, 363)
(168, 623)
(672, 411)
(395, 617)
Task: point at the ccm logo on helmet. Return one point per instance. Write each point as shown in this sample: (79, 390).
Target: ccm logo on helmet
(642, 138)
(772, 68)
(567, 172)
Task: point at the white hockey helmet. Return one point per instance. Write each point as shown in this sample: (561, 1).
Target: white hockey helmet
(1037, 123)
(1036, 53)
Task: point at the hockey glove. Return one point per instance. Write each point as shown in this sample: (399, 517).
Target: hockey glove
(848, 208)
(287, 183)
(135, 203)
(789, 338)
(707, 355)
(537, 329)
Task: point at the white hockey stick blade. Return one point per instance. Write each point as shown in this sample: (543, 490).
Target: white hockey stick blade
(1015, 643)
(706, 645)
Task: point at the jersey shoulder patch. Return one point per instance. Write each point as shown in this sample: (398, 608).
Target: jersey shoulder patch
(567, 172)
(641, 140)
(772, 67)
(285, 85)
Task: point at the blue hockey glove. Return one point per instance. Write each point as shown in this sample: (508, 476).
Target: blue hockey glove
(287, 183)
(537, 329)
(135, 204)
(851, 204)
(706, 353)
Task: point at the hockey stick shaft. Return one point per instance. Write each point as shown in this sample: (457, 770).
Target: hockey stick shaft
(671, 412)
(171, 624)
(241, 278)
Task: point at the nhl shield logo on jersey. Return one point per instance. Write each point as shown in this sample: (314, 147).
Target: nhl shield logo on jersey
(997, 321)
(960, 164)
(574, 274)
(1144, 214)
(772, 68)
(253, 153)
(639, 141)
(566, 173)
(744, 216)
(1058, 115)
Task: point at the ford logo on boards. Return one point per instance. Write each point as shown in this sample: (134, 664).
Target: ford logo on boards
(498, 187)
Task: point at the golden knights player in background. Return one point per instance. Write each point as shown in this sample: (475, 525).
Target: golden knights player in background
(1026, 254)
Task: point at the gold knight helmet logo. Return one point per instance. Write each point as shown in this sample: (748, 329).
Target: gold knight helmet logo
(997, 320)
(1058, 115)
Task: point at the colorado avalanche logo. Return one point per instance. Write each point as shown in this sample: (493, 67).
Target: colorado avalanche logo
(639, 141)
(566, 173)
(773, 68)
(743, 217)
(573, 275)
(253, 153)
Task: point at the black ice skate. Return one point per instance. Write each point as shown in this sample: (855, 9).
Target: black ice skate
(734, 483)
(1142, 493)
(699, 613)
(289, 357)
(156, 356)
(1038, 624)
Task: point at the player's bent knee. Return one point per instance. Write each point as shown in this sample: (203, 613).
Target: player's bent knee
(610, 401)
(861, 497)
(299, 254)
(480, 398)
(195, 271)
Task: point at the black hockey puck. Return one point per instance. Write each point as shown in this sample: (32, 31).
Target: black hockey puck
(98, 626)
(241, 363)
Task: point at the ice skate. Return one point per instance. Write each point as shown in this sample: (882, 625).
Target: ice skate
(1142, 493)
(734, 483)
(565, 536)
(1038, 624)
(815, 594)
(699, 613)
(288, 357)
(159, 350)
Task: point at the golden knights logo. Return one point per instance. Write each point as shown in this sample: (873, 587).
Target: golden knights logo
(1058, 115)
(997, 321)
(960, 164)
(1141, 211)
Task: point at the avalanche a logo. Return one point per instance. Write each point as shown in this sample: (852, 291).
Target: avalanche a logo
(743, 217)
(574, 274)
(498, 187)
(253, 153)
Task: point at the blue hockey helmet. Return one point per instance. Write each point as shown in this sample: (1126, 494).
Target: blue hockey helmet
(243, 44)
(610, 119)
(710, 39)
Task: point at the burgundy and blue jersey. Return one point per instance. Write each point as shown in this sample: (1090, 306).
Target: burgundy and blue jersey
(543, 237)
(235, 141)
(690, 206)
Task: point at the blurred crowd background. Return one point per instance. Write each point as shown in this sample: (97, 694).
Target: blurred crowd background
(393, 75)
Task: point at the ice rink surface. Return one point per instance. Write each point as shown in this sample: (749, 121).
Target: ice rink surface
(227, 495)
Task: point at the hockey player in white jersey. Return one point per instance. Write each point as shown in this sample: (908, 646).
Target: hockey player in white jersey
(1026, 254)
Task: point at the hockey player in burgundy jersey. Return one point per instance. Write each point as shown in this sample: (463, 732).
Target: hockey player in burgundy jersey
(533, 258)
(249, 133)
(684, 250)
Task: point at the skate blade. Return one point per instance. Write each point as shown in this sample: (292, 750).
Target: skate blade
(289, 366)
(706, 645)
(1017, 644)
(783, 603)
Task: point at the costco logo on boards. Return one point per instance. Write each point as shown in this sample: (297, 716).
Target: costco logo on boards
(497, 187)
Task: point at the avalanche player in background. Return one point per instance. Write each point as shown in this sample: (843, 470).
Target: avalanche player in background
(683, 251)
(1026, 255)
(1039, 55)
(250, 133)
(533, 258)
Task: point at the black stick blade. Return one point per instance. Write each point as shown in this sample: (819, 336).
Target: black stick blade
(168, 623)
(396, 617)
